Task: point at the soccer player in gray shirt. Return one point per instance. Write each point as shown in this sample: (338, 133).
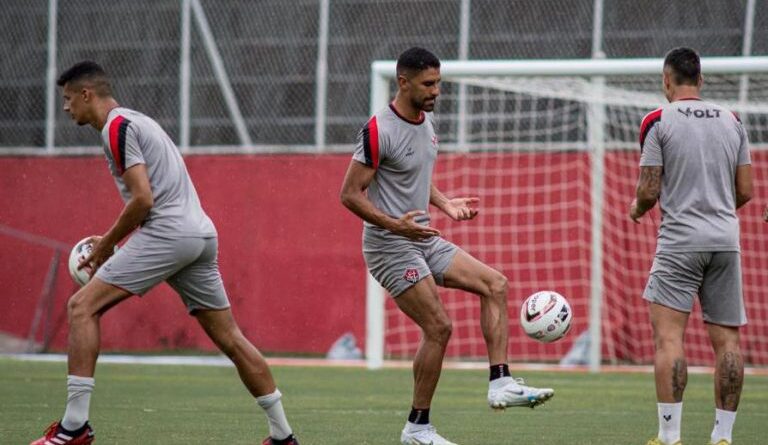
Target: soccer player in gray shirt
(389, 185)
(695, 161)
(173, 240)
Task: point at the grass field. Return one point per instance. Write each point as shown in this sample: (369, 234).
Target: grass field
(140, 404)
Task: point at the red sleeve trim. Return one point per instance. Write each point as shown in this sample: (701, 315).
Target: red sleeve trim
(117, 131)
(648, 122)
(371, 143)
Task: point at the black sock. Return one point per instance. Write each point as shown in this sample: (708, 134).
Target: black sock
(285, 441)
(73, 433)
(499, 371)
(419, 416)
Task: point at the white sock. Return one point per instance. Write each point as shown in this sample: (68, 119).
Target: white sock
(670, 415)
(79, 391)
(273, 407)
(723, 425)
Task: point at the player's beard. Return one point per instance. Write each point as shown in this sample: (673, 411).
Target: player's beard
(427, 104)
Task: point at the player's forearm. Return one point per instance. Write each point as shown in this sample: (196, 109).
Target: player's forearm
(133, 214)
(361, 206)
(648, 188)
(437, 198)
(741, 200)
(743, 185)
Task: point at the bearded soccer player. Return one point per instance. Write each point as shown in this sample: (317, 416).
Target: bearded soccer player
(695, 162)
(174, 241)
(389, 185)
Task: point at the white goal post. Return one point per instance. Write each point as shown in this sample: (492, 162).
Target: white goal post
(591, 71)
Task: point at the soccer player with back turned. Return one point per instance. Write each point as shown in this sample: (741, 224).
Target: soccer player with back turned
(696, 163)
(389, 185)
(174, 241)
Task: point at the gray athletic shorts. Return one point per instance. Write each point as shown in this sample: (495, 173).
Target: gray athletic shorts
(677, 277)
(398, 263)
(189, 265)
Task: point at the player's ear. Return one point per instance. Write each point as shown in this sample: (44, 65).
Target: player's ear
(402, 81)
(666, 79)
(700, 81)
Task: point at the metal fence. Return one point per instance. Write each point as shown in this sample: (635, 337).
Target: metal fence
(293, 75)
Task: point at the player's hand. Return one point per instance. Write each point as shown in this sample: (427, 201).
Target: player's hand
(765, 214)
(407, 227)
(100, 252)
(634, 213)
(460, 209)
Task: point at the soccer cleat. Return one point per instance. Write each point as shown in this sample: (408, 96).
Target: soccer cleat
(657, 441)
(56, 435)
(721, 442)
(426, 436)
(290, 440)
(507, 392)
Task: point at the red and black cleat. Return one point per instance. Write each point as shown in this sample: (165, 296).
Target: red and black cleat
(56, 435)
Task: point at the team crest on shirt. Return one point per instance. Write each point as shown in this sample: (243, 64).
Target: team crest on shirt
(411, 275)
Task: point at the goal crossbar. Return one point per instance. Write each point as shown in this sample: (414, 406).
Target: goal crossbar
(577, 67)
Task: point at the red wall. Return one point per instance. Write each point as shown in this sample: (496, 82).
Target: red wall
(289, 253)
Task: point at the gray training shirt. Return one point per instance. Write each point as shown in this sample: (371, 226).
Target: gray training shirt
(403, 152)
(699, 145)
(131, 138)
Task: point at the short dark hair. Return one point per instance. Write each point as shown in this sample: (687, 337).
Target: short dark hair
(685, 65)
(414, 60)
(87, 72)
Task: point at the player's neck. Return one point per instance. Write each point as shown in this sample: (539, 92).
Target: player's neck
(684, 92)
(405, 109)
(101, 112)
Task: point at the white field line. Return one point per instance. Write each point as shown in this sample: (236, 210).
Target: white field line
(321, 362)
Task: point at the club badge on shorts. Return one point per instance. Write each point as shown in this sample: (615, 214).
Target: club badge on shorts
(411, 275)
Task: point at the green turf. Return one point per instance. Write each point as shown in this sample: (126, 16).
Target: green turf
(136, 404)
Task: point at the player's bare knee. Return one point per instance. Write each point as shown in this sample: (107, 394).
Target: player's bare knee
(667, 342)
(439, 330)
(726, 346)
(77, 307)
(499, 287)
(230, 342)
(725, 340)
(227, 347)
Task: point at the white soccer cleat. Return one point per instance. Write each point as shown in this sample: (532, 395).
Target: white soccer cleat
(507, 392)
(426, 436)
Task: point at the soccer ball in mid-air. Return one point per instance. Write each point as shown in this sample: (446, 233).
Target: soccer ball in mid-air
(80, 252)
(546, 316)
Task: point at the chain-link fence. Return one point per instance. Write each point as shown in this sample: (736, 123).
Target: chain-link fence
(275, 75)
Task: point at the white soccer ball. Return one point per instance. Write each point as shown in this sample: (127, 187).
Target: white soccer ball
(546, 316)
(80, 252)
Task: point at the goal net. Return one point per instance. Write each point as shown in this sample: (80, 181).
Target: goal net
(551, 148)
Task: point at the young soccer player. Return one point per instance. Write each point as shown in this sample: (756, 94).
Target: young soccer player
(696, 163)
(389, 185)
(173, 240)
